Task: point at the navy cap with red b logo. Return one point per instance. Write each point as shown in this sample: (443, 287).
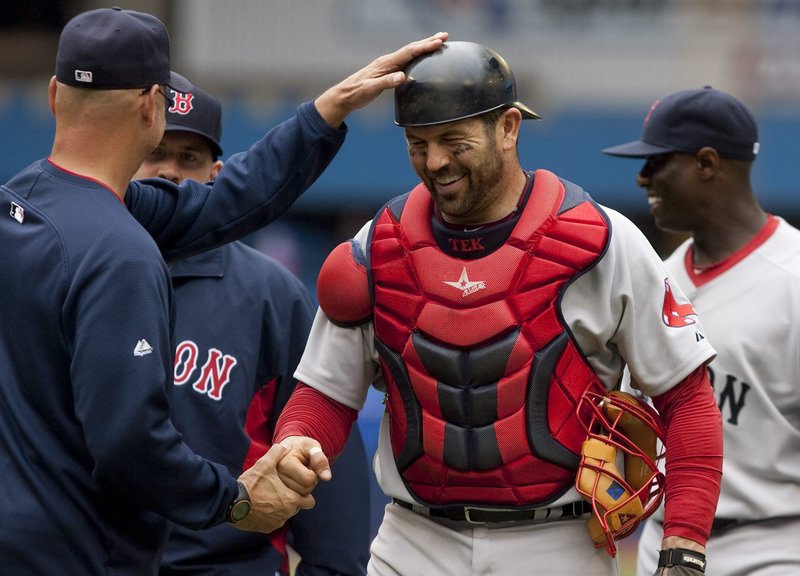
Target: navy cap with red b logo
(689, 120)
(199, 112)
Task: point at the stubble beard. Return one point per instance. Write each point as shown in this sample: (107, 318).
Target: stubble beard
(478, 196)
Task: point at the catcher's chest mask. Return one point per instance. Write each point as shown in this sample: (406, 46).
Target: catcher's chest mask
(622, 432)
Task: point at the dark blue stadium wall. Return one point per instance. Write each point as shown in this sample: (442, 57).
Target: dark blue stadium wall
(373, 165)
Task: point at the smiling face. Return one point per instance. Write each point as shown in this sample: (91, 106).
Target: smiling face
(466, 165)
(672, 193)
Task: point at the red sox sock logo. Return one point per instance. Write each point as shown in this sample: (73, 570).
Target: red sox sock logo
(674, 314)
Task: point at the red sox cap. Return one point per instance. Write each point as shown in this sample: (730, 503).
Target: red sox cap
(688, 120)
(199, 112)
(112, 48)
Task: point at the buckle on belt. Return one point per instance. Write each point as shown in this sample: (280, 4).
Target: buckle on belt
(469, 519)
(506, 516)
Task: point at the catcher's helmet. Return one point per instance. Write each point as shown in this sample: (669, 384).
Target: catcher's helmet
(457, 81)
(618, 423)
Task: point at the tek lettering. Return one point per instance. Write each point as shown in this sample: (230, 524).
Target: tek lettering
(466, 244)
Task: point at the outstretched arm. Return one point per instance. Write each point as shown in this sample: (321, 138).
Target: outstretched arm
(361, 88)
(311, 426)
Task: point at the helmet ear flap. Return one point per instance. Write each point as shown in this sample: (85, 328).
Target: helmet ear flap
(621, 430)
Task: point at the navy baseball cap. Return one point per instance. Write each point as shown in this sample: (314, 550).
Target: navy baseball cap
(199, 112)
(688, 120)
(112, 48)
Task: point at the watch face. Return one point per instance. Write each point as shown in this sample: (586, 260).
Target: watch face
(240, 510)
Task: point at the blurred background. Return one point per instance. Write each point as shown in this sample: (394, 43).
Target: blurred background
(590, 68)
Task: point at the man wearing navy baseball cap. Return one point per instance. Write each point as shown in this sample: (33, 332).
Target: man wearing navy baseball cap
(93, 468)
(112, 48)
(688, 120)
(739, 267)
(262, 328)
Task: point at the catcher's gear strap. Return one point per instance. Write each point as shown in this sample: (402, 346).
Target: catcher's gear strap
(311, 413)
(682, 557)
(694, 460)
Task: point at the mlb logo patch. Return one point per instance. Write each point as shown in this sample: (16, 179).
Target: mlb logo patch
(17, 212)
(83, 76)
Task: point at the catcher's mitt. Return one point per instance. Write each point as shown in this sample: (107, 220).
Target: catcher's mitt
(619, 426)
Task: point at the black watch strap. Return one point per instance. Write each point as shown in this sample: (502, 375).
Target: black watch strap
(682, 557)
(239, 507)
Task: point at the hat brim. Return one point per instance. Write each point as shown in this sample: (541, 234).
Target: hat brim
(179, 83)
(637, 149)
(527, 113)
(215, 147)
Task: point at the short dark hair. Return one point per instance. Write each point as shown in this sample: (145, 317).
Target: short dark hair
(491, 117)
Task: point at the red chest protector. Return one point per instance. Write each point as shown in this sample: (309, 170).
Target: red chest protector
(482, 377)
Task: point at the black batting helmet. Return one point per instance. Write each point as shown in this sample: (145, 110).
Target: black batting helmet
(459, 80)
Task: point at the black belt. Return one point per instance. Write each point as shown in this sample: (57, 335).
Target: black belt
(501, 516)
(724, 523)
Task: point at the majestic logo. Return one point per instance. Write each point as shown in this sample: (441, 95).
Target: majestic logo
(17, 212)
(142, 348)
(181, 103)
(673, 314)
(466, 285)
(83, 76)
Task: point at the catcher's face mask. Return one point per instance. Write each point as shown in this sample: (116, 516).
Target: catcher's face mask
(621, 431)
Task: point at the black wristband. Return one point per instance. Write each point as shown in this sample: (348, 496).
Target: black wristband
(682, 557)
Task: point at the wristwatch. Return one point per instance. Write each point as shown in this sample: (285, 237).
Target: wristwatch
(239, 508)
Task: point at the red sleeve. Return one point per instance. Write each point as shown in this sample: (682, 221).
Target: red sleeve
(693, 456)
(310, 413)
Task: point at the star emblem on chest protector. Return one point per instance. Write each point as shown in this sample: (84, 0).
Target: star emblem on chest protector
(466, 285)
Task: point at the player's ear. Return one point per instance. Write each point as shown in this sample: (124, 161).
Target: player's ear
(51, 95)
(150, 101)
(707, 161)
(215, 168)
(509, 124)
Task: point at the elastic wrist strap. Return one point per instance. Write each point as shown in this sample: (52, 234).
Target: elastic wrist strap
(682, 557)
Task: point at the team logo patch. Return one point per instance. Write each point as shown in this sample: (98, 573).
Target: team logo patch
(181, 103)
(466, 285)
(653, 106)
(83, 76)
(142, 348)
(17, 212)
(673, 314)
